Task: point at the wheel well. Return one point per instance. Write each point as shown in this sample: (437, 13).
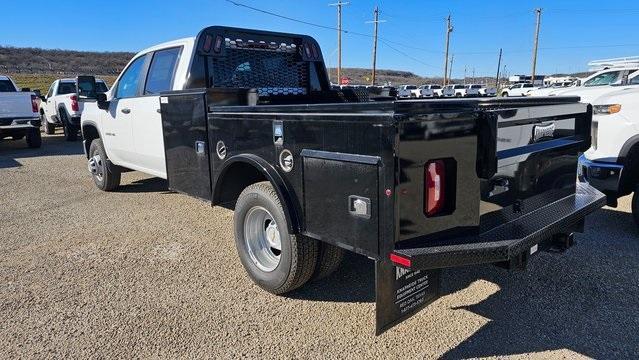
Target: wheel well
(89, 133)
(630, 177)
(233, 180)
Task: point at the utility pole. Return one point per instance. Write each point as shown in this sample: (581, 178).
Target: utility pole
(534, 59)
(339, 5)
(465, 70)
(376, 22)
(498, 66)
(449, 29)
(450, 71)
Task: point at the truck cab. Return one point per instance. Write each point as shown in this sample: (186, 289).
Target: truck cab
(247, 119)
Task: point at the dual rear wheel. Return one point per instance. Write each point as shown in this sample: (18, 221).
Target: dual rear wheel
(275, 259)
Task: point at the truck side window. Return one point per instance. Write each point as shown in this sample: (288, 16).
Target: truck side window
(128, 84)
(161, 71)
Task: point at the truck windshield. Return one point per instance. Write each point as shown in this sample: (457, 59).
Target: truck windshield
(434, 87)
(7, 86)
(475, 86)
(411, 87)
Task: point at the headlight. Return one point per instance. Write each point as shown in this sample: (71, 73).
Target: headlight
(606, 109)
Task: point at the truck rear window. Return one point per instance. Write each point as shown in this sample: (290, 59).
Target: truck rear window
(101, 87)
(66, 88)
(7, 86)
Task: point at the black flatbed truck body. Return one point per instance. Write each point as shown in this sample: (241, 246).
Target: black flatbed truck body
(510, 168)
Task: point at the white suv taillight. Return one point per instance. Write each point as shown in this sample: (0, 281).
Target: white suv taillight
(74, 103)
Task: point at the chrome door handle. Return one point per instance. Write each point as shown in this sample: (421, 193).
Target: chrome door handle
(126, 111)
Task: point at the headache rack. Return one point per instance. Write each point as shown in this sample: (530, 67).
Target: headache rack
(274, 65)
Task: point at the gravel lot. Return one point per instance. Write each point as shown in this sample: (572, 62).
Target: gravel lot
(144, 272)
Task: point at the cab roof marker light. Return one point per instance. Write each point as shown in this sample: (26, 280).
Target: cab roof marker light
(218, 44)
(208, 41)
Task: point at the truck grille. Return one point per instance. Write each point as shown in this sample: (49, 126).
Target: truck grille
(273, 69)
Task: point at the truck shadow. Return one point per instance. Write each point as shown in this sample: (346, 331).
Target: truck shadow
(585, 301)
(146, 185)
(52, 145)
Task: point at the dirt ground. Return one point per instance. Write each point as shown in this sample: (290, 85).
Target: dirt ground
(147, 273)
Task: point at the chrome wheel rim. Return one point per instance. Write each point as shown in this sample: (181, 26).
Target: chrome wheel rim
(262, 238)
(96, 167)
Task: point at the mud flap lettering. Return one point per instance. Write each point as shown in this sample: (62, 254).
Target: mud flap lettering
(401, 293)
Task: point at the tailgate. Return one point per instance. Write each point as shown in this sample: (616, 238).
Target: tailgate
(15, 105)
(503, 159)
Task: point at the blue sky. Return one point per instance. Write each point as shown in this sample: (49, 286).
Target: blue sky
(572, 31)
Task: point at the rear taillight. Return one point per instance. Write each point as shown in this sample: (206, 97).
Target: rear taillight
(434, 187)
(74, 103)
(34, 103)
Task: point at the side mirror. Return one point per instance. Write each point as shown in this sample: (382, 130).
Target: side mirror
(26, 89)
(86, 88)
(43, 98)
(37, 92)
(102, 101)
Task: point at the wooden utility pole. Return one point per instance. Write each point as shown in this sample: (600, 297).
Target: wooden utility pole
(498, 66)
(449, 29)
(339, 5)
(450, 71)
(376, 22)
(534, 58)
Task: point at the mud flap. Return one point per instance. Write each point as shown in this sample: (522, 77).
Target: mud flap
(400, 293)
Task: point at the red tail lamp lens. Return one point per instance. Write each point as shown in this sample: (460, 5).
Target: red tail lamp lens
(434, 187)
(74, 103)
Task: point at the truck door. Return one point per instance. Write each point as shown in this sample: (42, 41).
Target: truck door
(147, 120)
(116, 123)
(49, 107)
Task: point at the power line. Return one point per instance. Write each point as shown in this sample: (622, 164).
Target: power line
(406, 55)
(327, 27)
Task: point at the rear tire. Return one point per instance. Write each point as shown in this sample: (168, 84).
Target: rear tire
(49, 128)
(106, 176)
(34, 139)
(70, 131)
(260, 229)
(329, 259)
(635, 205)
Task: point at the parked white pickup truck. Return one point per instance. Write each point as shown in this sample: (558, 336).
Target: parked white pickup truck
(60, 107)
(520, 89)
(592, 86)
(407, 91)
(19, 113)
(486, 90)
(454, 90)
(612, 163)
(428, 91)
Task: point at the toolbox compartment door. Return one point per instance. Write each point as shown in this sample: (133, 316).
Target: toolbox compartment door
(333, 184)
(184, 127)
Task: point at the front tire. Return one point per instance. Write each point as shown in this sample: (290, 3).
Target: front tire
(275, 259)
(505, 94)
(34, 139)
(106, 176)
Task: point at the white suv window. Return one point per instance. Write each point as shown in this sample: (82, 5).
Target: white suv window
(603, 79)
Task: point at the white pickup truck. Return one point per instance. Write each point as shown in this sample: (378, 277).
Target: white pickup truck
(407, 91)
(454, 90)
(486, 90)
(520, 89)
(19, 113)
(60, 107)
(431, 90)
(612, 163)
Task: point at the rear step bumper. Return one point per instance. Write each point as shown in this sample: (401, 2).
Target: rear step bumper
(507, 241)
